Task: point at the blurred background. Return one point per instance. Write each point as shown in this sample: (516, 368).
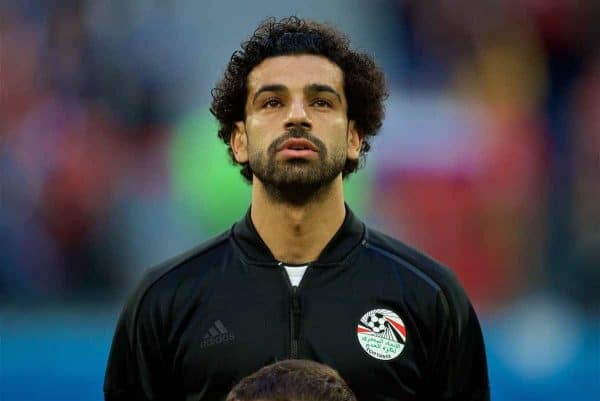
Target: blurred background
(489, 160)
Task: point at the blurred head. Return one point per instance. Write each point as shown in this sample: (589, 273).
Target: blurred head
(292, 380)
(297, 107)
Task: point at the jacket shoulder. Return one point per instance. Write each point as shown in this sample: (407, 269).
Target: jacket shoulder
(163, 272)
(418, 264)
(157, 272)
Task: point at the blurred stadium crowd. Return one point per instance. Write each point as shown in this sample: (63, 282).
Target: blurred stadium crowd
(489, 158)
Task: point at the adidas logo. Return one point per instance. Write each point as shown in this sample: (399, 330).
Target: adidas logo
(217, 334)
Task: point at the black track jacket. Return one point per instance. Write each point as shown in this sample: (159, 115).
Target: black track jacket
(396, 324)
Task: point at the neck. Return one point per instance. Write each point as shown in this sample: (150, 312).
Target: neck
(297, 234)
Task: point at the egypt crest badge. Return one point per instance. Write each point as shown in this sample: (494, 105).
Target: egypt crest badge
(382, 334)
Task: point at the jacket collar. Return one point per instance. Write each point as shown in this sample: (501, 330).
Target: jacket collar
(255, 251)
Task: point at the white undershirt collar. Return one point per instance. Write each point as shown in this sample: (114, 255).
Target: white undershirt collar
(295, 273)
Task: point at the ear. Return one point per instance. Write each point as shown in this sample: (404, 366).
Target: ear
(354, 141)
(239, 142)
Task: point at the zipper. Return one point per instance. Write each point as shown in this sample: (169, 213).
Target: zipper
(294, 315)
(294, 323)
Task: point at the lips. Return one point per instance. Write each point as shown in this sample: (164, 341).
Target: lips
(297, 145)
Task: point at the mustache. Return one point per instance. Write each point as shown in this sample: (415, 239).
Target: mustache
(297, 133)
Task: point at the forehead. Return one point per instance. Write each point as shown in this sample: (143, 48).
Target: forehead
(295, 72)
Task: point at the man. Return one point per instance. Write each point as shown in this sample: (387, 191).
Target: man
(292, 380)
(299, 276)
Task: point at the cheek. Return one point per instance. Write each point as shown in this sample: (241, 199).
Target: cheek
(335, 124)
(259, 135)
(335, 131)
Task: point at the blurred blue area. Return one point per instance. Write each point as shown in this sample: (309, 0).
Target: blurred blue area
(54, 355)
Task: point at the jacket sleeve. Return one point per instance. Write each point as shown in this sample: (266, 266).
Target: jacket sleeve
(459, 367)
(138, 367)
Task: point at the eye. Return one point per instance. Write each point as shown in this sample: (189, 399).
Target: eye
(272, 103)
(321, 103)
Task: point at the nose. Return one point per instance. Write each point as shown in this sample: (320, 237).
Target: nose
(297, 116)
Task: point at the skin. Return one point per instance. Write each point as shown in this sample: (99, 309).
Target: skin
(284, 92)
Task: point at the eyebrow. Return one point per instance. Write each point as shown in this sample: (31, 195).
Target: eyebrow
(312, 88)
(315, 88)
(269, 88)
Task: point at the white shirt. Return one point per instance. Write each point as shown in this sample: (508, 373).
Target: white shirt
(295, 273)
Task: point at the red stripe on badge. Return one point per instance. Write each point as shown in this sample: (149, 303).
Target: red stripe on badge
(362, 330)
(399, 326)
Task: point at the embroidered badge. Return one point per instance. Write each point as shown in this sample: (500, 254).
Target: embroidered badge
(382, 334)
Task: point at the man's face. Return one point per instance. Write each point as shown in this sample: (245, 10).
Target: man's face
(296, 135)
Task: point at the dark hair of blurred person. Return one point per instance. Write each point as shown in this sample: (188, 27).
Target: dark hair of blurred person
(293, 380)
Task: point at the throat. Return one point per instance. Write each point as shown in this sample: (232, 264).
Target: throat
(297, 234)
(296, 244)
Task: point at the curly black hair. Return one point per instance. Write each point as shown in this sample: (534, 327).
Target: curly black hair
(364, 82)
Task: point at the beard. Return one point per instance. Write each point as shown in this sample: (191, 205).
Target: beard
(297, 181)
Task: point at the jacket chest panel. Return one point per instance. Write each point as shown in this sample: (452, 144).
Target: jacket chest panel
(225, 339)
(334, 332)
(229, 337)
